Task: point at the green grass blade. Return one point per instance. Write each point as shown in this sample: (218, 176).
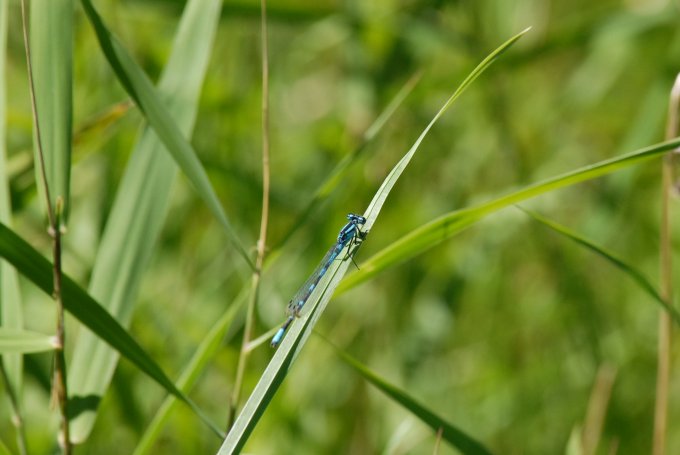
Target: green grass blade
(149, 100)
(206, 351)
(379, 199)
(335, 177)
(11, 314)
(52, 57)
(83, 307)
(140, 207)
(298, 333)
(629, 270)
(457, 438)
(24, 341)
(454, 222)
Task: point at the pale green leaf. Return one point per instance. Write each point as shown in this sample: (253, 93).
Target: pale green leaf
(159, 115)
(52, 57)
(140, 206)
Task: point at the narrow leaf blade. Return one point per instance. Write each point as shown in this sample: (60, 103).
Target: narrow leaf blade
(381, 195)
(452, 223)
(149, 100)
(457, 438)
(617, 262)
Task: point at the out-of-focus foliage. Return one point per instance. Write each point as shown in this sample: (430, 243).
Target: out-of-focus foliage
(501, 330)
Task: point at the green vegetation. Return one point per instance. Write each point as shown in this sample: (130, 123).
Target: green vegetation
(470, 327)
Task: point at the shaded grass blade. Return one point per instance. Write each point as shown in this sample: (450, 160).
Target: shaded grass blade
(450, 433)
(448, 225)
(24, 341)
(80, 304)
(629, 270)
(140, 207)
(149, 100)
(297, 335)
(52, 58)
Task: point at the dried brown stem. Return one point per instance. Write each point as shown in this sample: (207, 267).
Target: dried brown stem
(59, 388)
(264, 222)
(664, 345)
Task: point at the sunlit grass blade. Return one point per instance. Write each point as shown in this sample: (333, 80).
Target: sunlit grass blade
(11, 313)
(454, 222)
(628, 269)
(205, 352)
(24, 341)
(381, 195)
(457, 438)
(140, 207)
(150, 102)
(52, 57)
(297, 335)
(83, 307)
(335, 177)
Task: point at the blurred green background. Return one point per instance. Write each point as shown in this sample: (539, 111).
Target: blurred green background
(501, 330)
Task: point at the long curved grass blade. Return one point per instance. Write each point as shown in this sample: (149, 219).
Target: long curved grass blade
(24, 341)
(83, 307)
(149, 100)
(381, 195)
(628, 269)
(334, 179)
(140, 207)
(297, 335)
(457, 438)
(11, 315)
(52, 57)
(452, 223)
(206, 351)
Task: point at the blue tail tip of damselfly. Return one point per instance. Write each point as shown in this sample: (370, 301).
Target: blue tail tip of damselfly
(276, 341)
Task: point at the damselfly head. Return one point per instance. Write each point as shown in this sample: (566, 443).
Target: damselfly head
(356, 219)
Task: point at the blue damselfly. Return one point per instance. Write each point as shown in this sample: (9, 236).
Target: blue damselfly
(350, 235)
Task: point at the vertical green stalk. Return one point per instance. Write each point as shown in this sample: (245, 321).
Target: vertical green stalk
(262, 241)
(664, 343)
(54, 216)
